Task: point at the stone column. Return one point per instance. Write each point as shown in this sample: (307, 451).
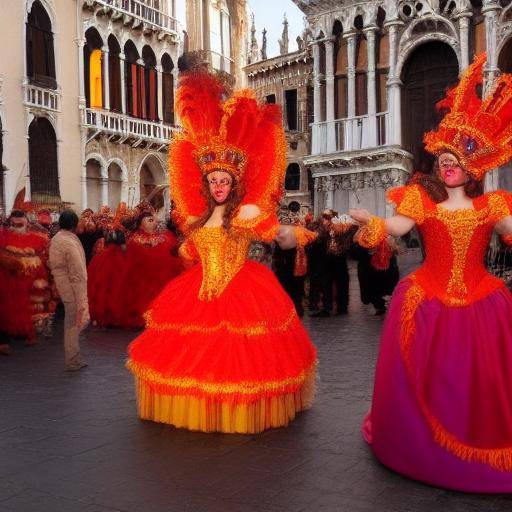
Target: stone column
(317, 99)
(351, 73)
(123, 83)
(81, 74)
(104, 187)
(394, 124)
(490, 11)
(106, 79)
(371, 85)
(329, 95)
(160, 94)
(464, 19)
(329, 192)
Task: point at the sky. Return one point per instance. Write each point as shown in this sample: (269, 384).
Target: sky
(269, 14)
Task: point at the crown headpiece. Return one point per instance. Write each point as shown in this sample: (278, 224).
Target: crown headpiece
(236, 135)
(477, 131)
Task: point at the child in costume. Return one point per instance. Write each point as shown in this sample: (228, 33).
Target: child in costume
(224, 350)
(442, 403)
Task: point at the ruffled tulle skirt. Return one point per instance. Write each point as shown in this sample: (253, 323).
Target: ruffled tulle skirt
(442, 404)
(242, 362)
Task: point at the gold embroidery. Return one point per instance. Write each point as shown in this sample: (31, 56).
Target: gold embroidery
(373, 233)
(222, 257)
(214, 388)
(251, 330)
(461, 225)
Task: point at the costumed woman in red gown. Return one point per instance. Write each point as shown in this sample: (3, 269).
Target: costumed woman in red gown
(151, 262)
(224, 350)
(106, 270)
(442, 403)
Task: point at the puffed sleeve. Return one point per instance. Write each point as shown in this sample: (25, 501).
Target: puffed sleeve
(264, 227)
(500, 204)
(409, 201)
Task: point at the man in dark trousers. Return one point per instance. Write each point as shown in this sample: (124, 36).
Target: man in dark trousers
(335, 240)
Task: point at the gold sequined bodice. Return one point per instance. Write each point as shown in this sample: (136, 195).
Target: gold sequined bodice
(221, 256)
(455, 244)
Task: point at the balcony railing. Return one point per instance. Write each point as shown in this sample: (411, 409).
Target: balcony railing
(143, 11)
(39, 97)
(351, 134)
(127, 127)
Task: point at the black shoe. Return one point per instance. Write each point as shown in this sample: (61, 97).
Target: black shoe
(321, 314)
(380, 312)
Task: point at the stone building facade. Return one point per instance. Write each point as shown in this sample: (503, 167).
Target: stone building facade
(287, 81)
(379, 67)
(87, 101)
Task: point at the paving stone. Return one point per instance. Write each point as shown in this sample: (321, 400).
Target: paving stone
(72, 442)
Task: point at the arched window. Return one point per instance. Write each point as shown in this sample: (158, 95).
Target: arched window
(93, 69)
(220, 35)
(292, 180)
(147, 181)
(167, 89)
(114, 73)
(93, 184)
(42, 157)
(39, 48)
(150, 85)
(133, 99)
(115, 184)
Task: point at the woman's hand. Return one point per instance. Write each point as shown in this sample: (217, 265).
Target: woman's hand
(360, 215)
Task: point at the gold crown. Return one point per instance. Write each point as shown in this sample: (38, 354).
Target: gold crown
(221, 157)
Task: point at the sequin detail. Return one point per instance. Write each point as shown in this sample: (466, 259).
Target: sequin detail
(373, 233)
(259, 329)
(191, 385)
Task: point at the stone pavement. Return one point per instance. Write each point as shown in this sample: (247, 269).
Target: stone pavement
(73, 443)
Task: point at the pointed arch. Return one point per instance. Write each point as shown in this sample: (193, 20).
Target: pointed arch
(39, 47)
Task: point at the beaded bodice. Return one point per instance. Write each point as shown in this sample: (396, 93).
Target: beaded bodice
(455, 245)
(221, 255)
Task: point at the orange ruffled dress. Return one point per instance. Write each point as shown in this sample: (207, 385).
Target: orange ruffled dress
(224, 349)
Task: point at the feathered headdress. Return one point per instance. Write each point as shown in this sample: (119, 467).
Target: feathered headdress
(477, 131)
(236, 135)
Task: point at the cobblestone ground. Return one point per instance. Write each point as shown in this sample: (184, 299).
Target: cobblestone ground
(72, 442)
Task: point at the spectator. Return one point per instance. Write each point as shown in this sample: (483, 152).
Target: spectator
(67, 263)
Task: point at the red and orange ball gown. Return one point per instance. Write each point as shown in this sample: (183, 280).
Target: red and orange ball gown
(224, 350)
(442, 403)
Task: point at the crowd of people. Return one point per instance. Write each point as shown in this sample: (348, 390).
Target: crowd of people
(128, 256)
(315, 274)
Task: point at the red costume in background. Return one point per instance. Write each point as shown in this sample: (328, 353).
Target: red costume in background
(151, 262)
(129, 270)
(24, 282)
